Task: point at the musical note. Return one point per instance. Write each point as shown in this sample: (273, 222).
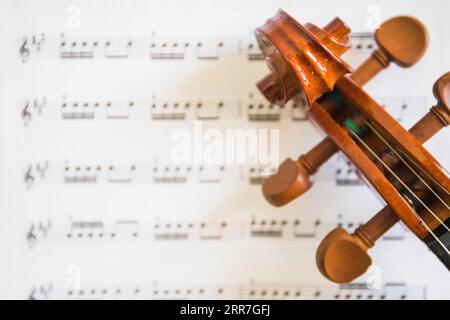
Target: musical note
(362, 41)
(168, 51)
(125, 227)
(263, 112)
(210, 174)
(78, 111)
(167, 174)
(308, 230)
(169, 111)
(90, 229)
(167, 231)
(209, 51)
(121, 175)
(267, 229)
(258, 174)
(81, 174)
(118, 49)
(212, 231)
(73, 49)
(210, 112)
(253, 51)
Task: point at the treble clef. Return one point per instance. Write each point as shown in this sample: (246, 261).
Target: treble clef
(24, 51)
(29, 178)
(31, 236)
(32, 295)
(26, 114)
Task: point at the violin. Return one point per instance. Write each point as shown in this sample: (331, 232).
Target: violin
(306, 66)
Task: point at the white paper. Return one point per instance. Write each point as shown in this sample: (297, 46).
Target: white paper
(92, 204)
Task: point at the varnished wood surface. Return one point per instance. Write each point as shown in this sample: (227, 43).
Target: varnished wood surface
(302, 66)
(392, 130)
(305, 66)
(279, 191)
(342, 257)
(402, 40)
(349, 147)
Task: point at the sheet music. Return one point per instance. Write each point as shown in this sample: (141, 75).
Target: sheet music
(94, 204)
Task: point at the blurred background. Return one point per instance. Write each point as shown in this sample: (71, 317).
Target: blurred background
(96, 203)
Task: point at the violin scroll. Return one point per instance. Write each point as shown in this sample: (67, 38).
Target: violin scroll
(304, 61)
(294, 177)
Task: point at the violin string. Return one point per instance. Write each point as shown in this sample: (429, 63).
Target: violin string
(412, 193)
(401, 181)
(405, 185)
(428, 175)
(406, 163)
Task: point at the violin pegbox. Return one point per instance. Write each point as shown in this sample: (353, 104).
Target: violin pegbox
(304, 61)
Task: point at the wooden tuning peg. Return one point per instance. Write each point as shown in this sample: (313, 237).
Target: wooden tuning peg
(293, 177)
(410, 42)
(439, 115)
(402, 40)
(343, 257)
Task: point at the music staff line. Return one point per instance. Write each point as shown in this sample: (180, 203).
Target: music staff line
(160, 230)
(51, 173)
(249, 290)
(202, 109)
(154, 48)
(161, 110)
